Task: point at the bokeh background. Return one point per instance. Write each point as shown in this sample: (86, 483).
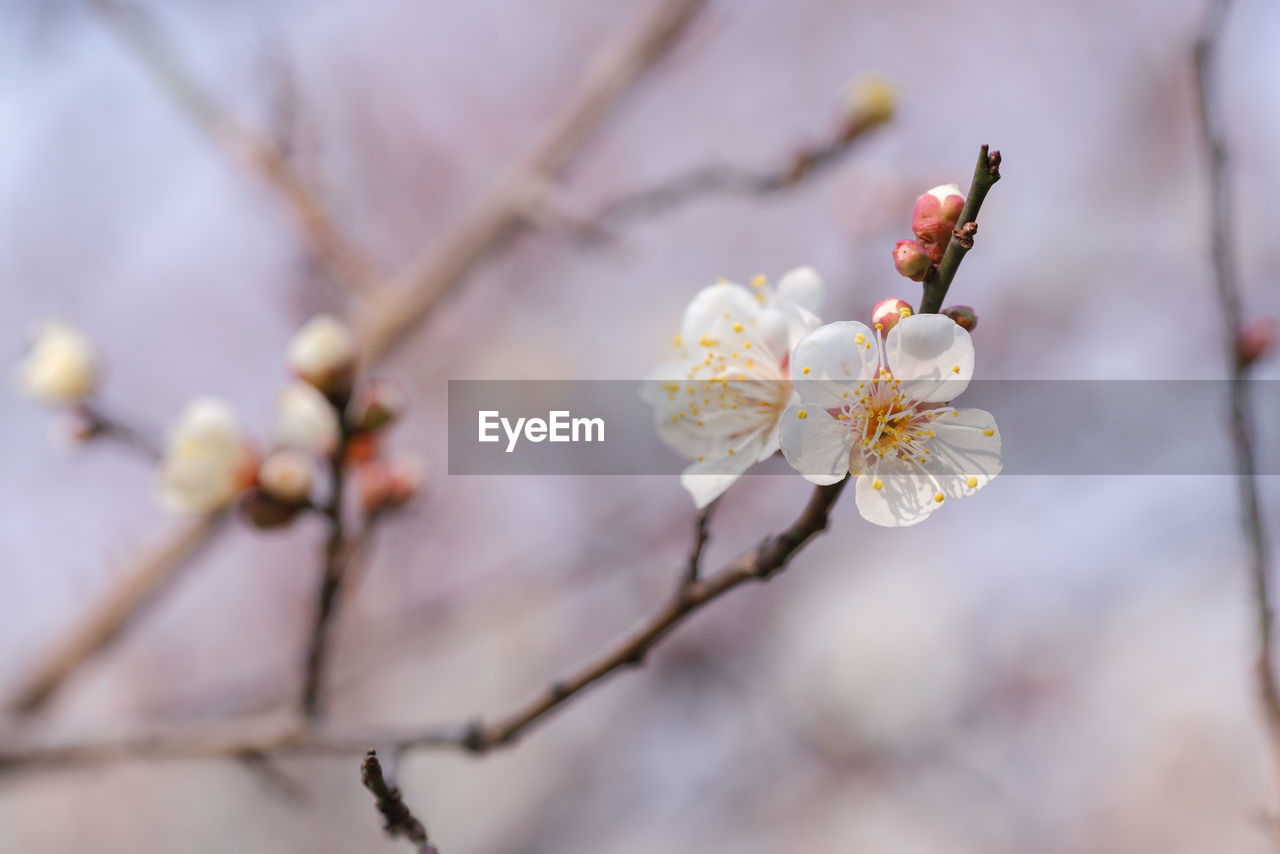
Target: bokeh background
(1061, 664)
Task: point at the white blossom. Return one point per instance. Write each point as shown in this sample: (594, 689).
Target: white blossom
(322, 351)
(287, 475)
(875, 408)
(207, 460)
(305, 420)
(718, 400)
(59, 368)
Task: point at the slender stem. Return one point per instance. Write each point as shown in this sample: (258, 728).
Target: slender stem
(397, 818)
(98, 423)
(337, 554)
(938, 281)
(1240, 402)
(694, 565)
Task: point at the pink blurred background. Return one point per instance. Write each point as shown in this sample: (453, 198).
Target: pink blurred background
(1060, 664)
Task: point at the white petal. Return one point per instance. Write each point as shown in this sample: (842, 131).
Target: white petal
(931, 355)
(904, 498)
(962, 455)
(708, 307)
(816, 445)
(832, 360)
(803, 288)
(707, 479)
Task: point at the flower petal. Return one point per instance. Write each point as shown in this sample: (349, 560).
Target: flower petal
(803, 288)
(931, 355)
(904, 497)
(707, 479)
(831, 360)
(965, 451)
(815, 444)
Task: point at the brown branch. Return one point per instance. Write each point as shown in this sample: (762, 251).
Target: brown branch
(338, 554)
(96, 423)
(1240, 402)
(383, 324)
(109, 617)
(344, 261)
(938, 279)
(721, 180)
(694, 566)
(758, 564)
(397, 818)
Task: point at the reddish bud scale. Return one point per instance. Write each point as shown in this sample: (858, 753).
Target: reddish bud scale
(934, 218)
(1255, 340)
(963, 315)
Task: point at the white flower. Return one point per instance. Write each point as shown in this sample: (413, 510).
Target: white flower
(717, 402)
(287, 475)
(207, 461)
(874, 408)
(59, 368)
(305, 420)
(323, 351)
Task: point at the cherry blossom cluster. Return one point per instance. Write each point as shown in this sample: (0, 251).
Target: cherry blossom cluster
(754, 372)
(324, 418)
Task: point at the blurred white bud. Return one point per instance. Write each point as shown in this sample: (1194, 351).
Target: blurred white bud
(59, 368)
(305, 420)
(287, 475)
(323, 353)
(207, 461)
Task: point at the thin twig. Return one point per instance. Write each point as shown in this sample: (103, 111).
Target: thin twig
(694, 566)
(938, 280)
(757, 564)
(337, 557)
(397, 818)
(110, 616)
(346, 263)
(384, 323)
(1240, 402)
(96, 422)
(722, 180)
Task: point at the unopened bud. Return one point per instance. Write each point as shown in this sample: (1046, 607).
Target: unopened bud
(963, 316)
(287, 475)
(323, 353)
(934, 218)
(386, 485)
(888, 312)
(59, 368)
(1255, 340)
(911, 260)
(264, 511)
(376, 404)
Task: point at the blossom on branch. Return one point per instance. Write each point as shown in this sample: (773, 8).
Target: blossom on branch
(59, 368)
(306, 421)
(875, 407)
(207, 462)
(718, 400)
(323, 353)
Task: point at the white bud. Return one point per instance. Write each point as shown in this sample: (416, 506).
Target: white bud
(207, 461)
(287, 475)
(323, 352)
(59, 368)
(305, 420)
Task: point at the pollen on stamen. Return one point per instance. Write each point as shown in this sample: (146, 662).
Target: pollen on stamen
(677, 341)
(955, 369)
(972, 482)
(938, 497)
(737, 327)
(877, 484)
(802, 414)
(860, 338)
(759, 281)
(804, 370)
(988, 432)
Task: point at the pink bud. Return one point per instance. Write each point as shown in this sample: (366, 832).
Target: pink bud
(888, 312)
(935, 216)
(911, 260)
(963, 316)
(387, 485)
(1255, 340)
(376, 404)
